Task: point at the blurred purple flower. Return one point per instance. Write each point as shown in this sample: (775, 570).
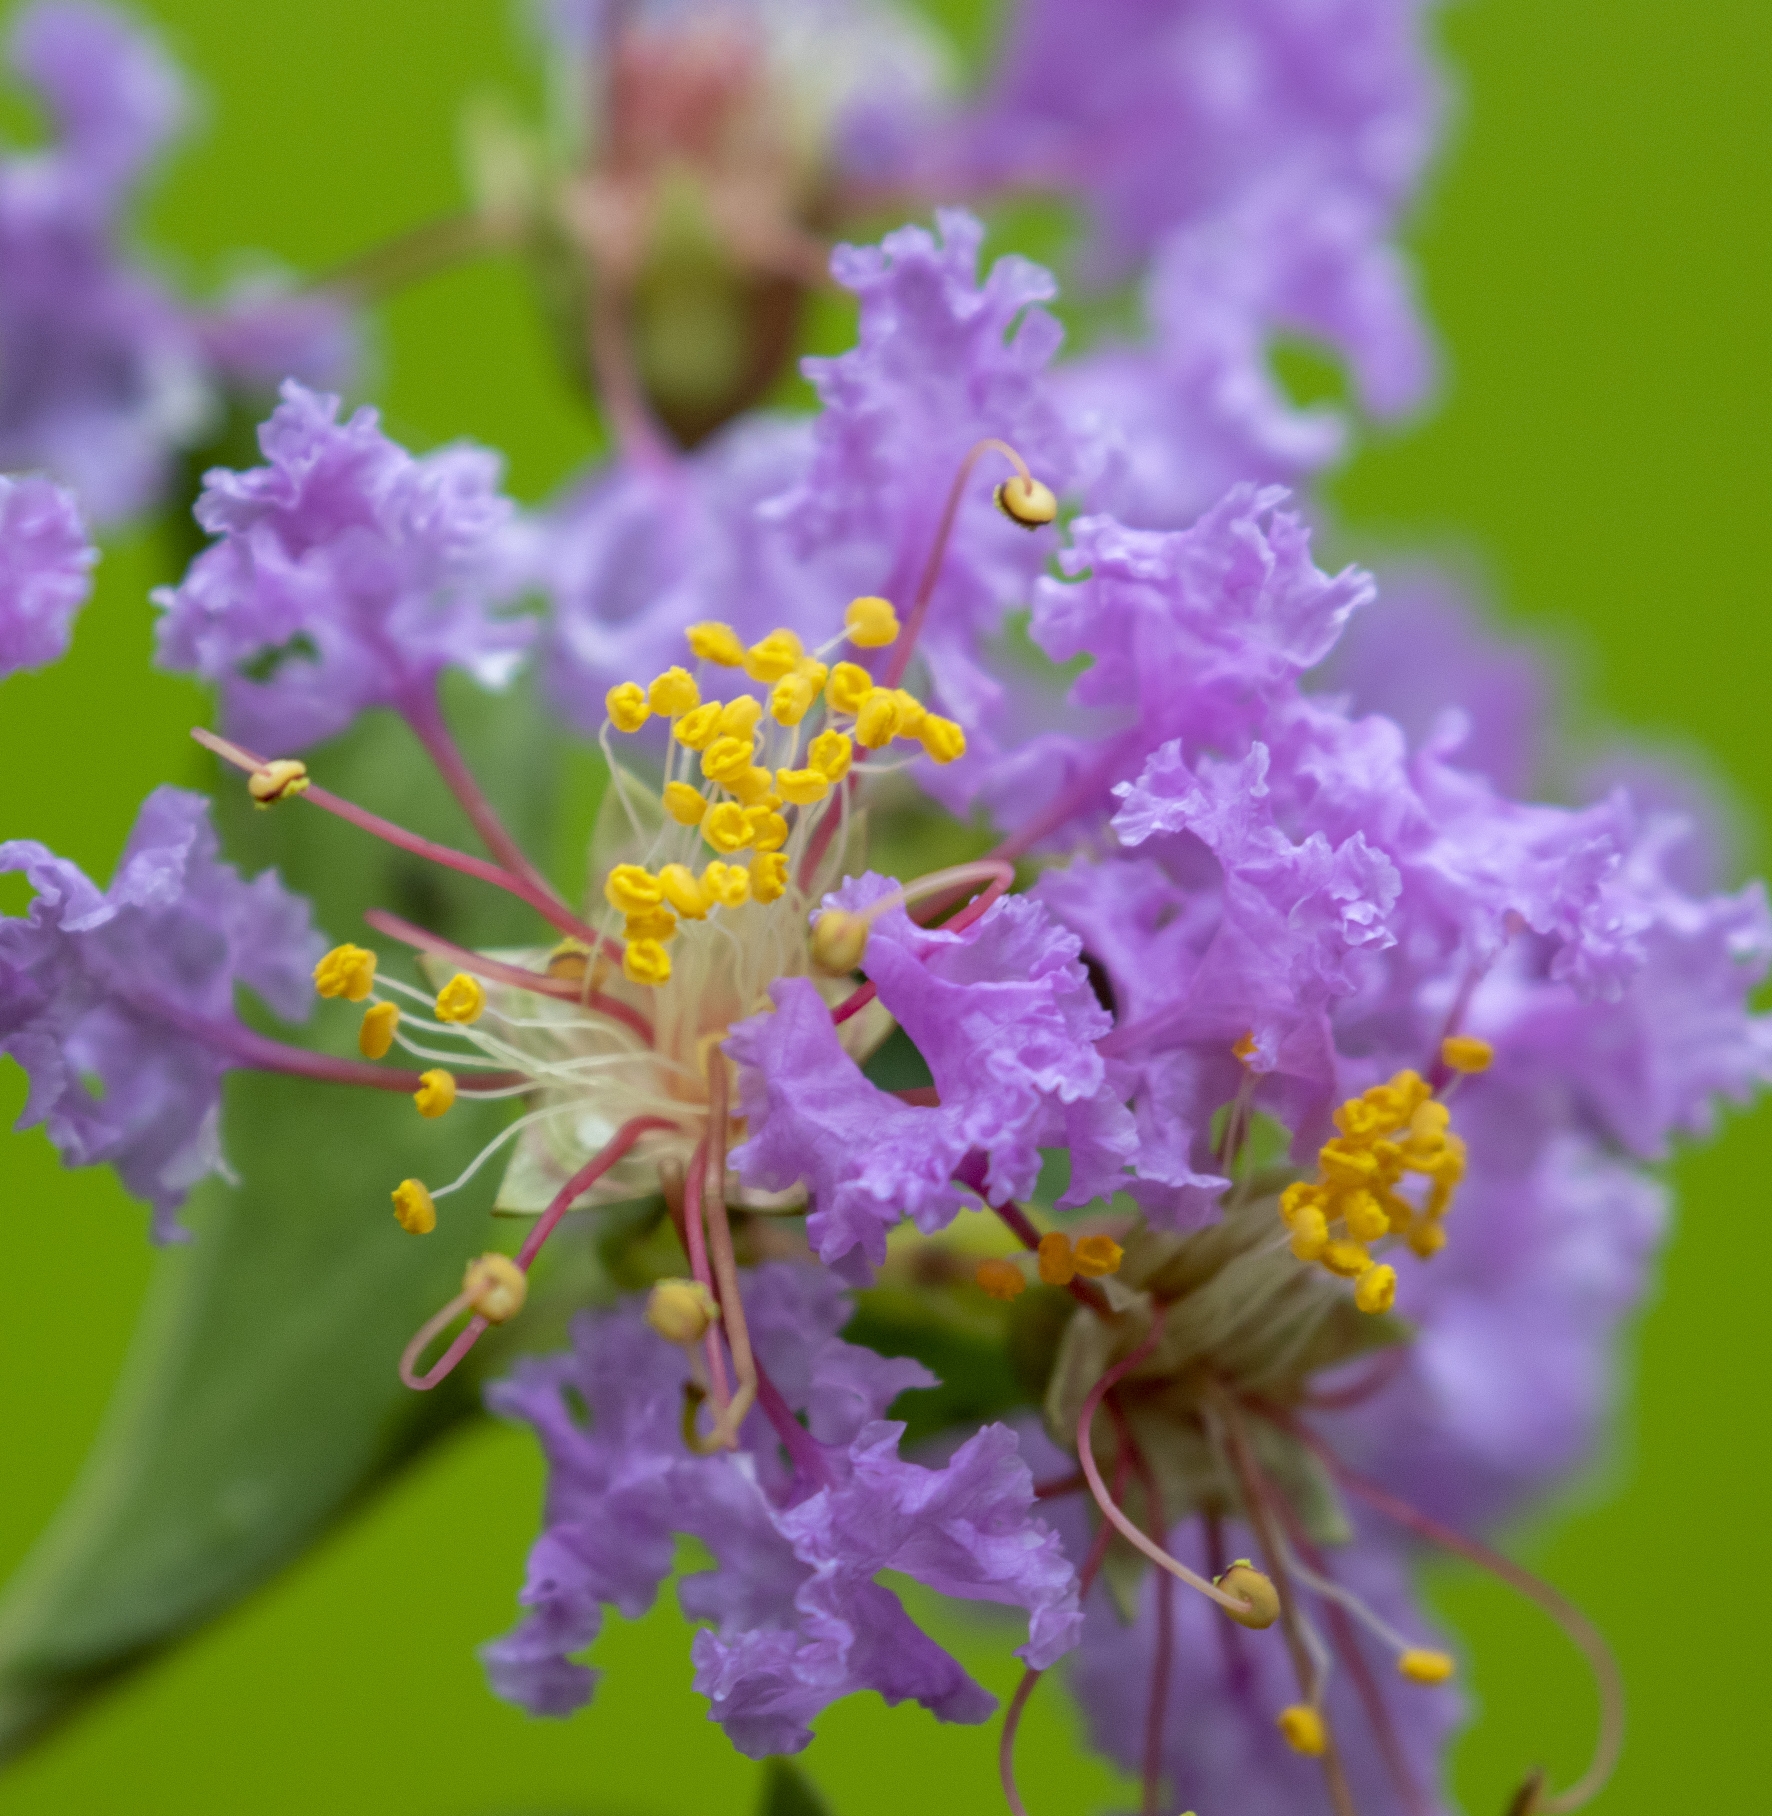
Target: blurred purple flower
(45, 573)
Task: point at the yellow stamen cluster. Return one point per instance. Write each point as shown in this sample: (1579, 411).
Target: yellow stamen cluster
(742, 769)
(1387, 1132)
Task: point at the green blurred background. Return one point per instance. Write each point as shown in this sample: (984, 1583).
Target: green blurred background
(1595, 252)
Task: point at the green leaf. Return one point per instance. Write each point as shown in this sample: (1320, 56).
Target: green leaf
(787, 1791)
(260, 1400)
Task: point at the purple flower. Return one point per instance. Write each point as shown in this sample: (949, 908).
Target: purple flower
(1006, 1019)
(798, 1619)
(119, 1004)
(101, 376)
(346, 574)
(45, 573)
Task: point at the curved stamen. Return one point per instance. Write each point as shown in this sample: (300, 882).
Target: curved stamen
(1234, 1604)
(496, 971)
(1157, 1705)
(695, 1245)
(1608, 1681)
(445, 855)
(724, 1263)
(907, 641)
(424, 714)
(581, 1182)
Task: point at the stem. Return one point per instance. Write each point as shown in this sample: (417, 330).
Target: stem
(1579, 1628)
(907, 641)
(1255, 1504)
(424, 713)
(581, 1181)
(445, 855)
(498, 972)
(720, 1253)
(418, 253)
(695, 1246)
(638, 437)
(802, 1448)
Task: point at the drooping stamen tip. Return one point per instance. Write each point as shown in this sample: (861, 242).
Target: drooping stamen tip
(1422, 1666)
(681, 1311)
(461, 1000)
(1256, 1590)
(1024, 500)
(1466, 1053)
(277, 781)
(414, 1209)
(495, 1286)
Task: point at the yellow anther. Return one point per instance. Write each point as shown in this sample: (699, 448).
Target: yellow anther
(832, 753)
(496, 1287)
(715, 642)
(1310, 1232)
(1245, 1047)
(376, 1035)
(790, 700)
(1255, 1588)
(646, 962)
(571, 959)
(769, 876)
(277, 781)
(697, 730)
(1345, 1165)
(774, 657)
(461, 999)
(877, 721)
(414, 1209)
(1359, 1118)
(681, 1311)
(626, 706)
(1001, 1279)
(942, 739)
(802, 787)
(754, 788)
(650, 924)
(848, 686)
(1026, 501)
(684, 804)
(740, 717)
(871, 623)
(727, 758)
(839, 938)
(1348, 1259)
(1302, 1729)
(1426, 1239)
(1058, 1266)
(1298, 1196)
(769, 831)
(673, 693)
(436, 1092)
(683, 892)
(1466, 1053)
(630, 888)
(347, 971)
(813, 672)
(1421, 1666)
(1366, 1219)
(727, 827)
(727, 884)
(913, 715)
(1376, 1289)
(1098, 1255)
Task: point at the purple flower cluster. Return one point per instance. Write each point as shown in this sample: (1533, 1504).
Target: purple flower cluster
(45, 573)
(796, 1618)
(119, 1003)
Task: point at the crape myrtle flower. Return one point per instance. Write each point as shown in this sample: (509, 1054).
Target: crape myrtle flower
(119, 1003)
(45, 572)
(105, 372)
(346, 574)
(798, 1620)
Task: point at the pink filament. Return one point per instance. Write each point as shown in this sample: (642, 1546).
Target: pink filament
(696, 1243)
(580, 1182)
